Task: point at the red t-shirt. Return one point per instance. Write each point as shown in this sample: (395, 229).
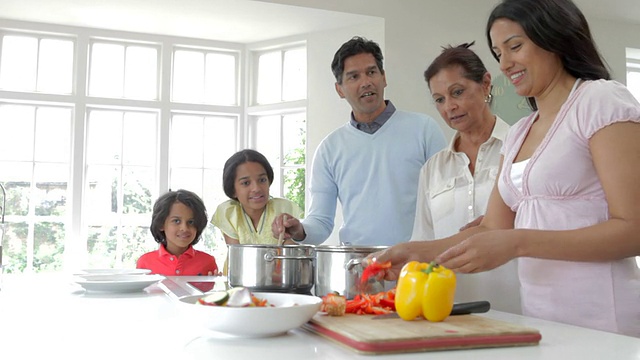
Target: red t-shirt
(191, 262)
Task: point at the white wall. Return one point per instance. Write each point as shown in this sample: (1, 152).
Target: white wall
(612, 38)
(411, 33)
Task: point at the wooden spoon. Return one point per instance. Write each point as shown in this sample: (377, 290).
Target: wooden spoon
(281, 237)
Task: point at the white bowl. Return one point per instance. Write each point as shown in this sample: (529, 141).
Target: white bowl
(289, 312)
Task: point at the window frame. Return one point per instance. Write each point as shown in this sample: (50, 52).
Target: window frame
(281, 108)
(81, 102)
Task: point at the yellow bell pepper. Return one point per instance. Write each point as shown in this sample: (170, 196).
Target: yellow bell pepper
(425, 289)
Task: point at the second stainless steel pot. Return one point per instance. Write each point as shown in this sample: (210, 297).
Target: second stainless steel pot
(339, 268)
(287, 268)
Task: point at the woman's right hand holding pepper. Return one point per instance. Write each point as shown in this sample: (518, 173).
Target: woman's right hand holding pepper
(400, 254)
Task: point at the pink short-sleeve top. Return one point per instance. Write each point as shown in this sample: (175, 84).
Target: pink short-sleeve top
(561, 191)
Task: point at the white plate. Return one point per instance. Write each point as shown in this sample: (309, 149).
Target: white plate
(118, 283)
(290, 311)
(108, 271)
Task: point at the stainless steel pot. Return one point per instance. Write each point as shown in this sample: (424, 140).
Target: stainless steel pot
(287, 268)
(339, 268)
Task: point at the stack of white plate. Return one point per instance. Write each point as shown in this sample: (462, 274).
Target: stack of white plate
(115, 280)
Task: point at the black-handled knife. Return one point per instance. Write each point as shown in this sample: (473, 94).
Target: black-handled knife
(473, 307)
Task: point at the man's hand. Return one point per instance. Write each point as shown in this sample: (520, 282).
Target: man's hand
(291, 227)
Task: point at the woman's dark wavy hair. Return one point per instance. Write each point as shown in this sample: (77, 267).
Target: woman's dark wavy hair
(462, 56)
(357, 45)
(231, 168)
(557, 26)
(162, 208)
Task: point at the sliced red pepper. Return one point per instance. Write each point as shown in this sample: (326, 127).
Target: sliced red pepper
(354, 305)
(373, 269)
(379, 311)
(388, 303)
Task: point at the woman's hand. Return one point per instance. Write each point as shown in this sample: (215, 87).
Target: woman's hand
(481, 252)
(401, 254)
(473, 223)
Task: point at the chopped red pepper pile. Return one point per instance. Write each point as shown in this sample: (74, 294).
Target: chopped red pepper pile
(373, 304)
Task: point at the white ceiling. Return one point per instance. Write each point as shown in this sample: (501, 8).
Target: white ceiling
(241, 21)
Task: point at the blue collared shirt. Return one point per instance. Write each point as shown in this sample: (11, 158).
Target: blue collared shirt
(377, 123)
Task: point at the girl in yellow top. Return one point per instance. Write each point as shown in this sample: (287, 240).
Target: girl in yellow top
(246, 218)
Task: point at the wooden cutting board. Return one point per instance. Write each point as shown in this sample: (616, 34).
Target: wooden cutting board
(365, 335)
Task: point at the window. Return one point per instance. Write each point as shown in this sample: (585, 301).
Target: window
(120, 175)
(90, 141)
(279, 117)
(123, 71)
(204, 77)
(633, 71)
(34, 158)
(32, 63)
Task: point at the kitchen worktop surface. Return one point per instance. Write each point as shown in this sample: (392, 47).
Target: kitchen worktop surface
(50, 317)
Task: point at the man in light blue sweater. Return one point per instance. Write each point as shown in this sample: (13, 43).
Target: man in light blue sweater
(371, 164)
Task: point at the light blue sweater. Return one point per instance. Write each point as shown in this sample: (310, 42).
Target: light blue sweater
(375, 177)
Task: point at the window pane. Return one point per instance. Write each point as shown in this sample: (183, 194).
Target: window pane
(293, 138)
(213, 192)
(55, 73)
(51, 189)
(268, 143)
(17, 183)
(14, 247)
(104, 140)
(101, 193)
(269, 78)
(294, 185)
(188, 76)
(18, 67)
(294, 77)
(219, 141)
(136, 240)
(48, 246)
(188, 179)
(139, 138)
(101, 246)
(107, 70)
(186, 141)
(136, 186)
(17, 124)
(141, 73)
(633, 83)
(220, 79)
(53, 134)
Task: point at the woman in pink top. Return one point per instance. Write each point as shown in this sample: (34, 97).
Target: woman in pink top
(567, 202)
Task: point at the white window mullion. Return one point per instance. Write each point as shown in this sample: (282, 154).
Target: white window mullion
(76, 240)
(164, 123)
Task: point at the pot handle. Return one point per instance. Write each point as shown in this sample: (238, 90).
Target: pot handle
(270, 256)
(352, 263)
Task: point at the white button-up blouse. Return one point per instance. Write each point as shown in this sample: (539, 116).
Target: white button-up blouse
(449, 196)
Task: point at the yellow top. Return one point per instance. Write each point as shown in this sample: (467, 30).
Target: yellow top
(231, 219)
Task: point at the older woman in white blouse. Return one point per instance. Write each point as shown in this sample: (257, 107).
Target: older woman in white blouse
(455, 183)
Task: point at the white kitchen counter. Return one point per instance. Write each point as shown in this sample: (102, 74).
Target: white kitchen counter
(49, 317)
